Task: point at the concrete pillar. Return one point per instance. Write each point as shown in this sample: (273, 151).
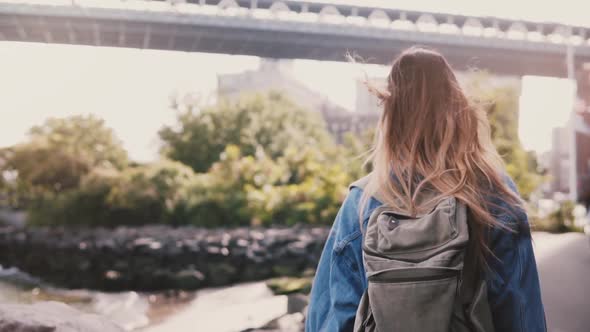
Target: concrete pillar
(581, 136)
(582, 77)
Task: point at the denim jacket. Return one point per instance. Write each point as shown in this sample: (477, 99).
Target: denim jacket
(513, 285)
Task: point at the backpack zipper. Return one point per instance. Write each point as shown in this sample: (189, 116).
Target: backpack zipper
(445, 275)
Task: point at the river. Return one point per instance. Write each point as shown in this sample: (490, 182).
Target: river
(251, 305)
(131, 310)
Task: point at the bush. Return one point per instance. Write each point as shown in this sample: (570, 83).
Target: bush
(220, 197)
(149, 194)
(317, 185)
(559, 221)
(254, 190)
(30, 170)
(85, 205)
(136, 196)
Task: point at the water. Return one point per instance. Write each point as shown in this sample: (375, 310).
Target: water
(227, 309)
(250, 305)
(131, 310)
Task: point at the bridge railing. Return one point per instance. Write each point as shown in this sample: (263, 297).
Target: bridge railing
(348, 14)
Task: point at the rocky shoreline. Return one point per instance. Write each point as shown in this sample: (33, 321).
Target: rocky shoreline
(160, 257)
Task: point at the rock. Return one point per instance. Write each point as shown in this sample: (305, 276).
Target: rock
(286, 323)
(51, 317)
(12, 217)
(189, 278)
(291, 323)
(153, 258)
(296, 303)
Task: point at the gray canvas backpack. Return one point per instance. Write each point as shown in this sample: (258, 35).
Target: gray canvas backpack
(421, 274)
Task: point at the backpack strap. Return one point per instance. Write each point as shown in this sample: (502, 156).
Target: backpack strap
(473, 294)
(470, 274)
(473, 290)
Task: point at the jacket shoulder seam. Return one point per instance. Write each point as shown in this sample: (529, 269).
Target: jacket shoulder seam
(340, 245)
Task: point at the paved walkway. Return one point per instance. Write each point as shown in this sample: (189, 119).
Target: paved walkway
(564, 267)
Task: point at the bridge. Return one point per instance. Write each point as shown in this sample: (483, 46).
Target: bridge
(298, 29)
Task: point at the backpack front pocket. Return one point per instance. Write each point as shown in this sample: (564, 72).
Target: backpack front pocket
(397, 233)
(392, 235)
(416, 299)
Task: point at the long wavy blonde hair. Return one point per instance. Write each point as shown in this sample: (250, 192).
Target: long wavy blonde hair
(431, 138)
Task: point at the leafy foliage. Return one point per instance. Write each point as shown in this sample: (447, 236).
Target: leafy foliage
(269, 121)
(559, 221)
(315, 188)
(35, 169)
(84, 137)
(137, 195)
(220, 196)
(246, 190)
(56, 157)
(257, 161)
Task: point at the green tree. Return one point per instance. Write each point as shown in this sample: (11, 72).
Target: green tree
(85, 137)
(269, 121)
(56, 156)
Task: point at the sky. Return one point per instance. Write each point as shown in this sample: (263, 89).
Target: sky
(130, 88)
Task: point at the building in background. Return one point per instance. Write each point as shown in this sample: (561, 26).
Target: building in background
(559, 166)
(276, 75)
(272, 75)
(581, 171)
(569, 169)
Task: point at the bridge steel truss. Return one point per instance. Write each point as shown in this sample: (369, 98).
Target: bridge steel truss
(297, 29)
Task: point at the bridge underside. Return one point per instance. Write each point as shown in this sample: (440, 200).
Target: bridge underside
(280, 39)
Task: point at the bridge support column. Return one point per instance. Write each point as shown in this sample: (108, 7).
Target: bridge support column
(580, 126)
(582, 77)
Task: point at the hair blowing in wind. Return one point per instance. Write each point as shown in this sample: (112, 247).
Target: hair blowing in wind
(432, 139)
